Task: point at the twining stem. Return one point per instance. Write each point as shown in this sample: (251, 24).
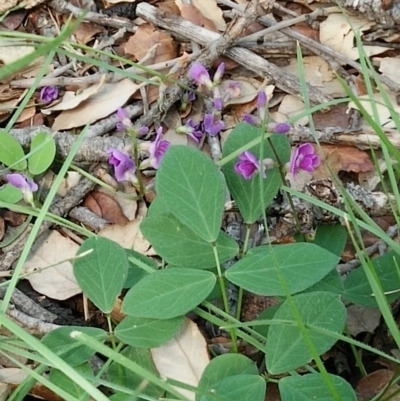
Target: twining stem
(240, 292)
(281, 169)
(223, 294)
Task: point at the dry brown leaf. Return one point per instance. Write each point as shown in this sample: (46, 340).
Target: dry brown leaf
(58, 281)
(336, 116)
(370, 385)
(390, 67)
(361, 319)
(100, 105)
(337, 33)
(128, 236)
(351, 159)
(86, 31)
(210, 17)
(71, 100)
(383, 112)
(183, 358)
(318, 74)
(193, 14)
(290, 107)
(119, 1)
(106, 207)
(145, 38)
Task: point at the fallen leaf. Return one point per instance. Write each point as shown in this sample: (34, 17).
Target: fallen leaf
(57, 281)
(145, 38)
(390, 68)
(100, 105)
(383, 111)
(290, 107)
(183, 358)
(128, 236)
(193, 14)
(106, 207)
(319, 74)
(208, 9)
(361, 319)
(71, 100)
(86, 31)
(337, 34)
(369, 386)
(351, 159)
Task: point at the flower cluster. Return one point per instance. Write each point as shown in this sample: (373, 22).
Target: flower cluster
(26, 185)
(48, 94)
(125, 167)
(303, 158)
(125, 124)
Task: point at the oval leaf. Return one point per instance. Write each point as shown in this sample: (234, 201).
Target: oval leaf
(300, 264)
(313, 387)
(10, 194)
(43, 149)
(286, 349)
(147, 333)
(224, 366)
(101, 273)
(70, 350)
(247, 192)
(238, 388)
(11, 152)
(168, 293)
(180, 246)
(193, 189)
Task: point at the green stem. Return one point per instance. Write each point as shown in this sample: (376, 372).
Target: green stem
(224, 296)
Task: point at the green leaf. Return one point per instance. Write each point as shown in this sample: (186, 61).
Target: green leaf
(300, 264)
(139, 266)
(224, 366)
(238, 388)
(313, 387)
(180, 246)
(332, 282)
(286, 349)
(247, 192)
(358, 289)
(124, 377)
(42, 158)
(61, 380)
(11, 152)
(147, 333)
(168, 293)
(101, 273)
(267, 314)
(10, 194)
(72, 351)
(193, 189)
(331, 237)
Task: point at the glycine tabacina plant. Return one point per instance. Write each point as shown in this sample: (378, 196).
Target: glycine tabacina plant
(183, 226)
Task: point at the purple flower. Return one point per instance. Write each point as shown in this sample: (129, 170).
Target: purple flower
(157, 149)
(219, 74)
(218, 103)
(248, 165)
(48, 94)
(304, 158)
(187, 97)
(26, 185)
(124, 167)
(250, 119)
(279, 128)
(261, 99)
(124, 122)
(198, 73)
(213, 124)
(192, 129)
